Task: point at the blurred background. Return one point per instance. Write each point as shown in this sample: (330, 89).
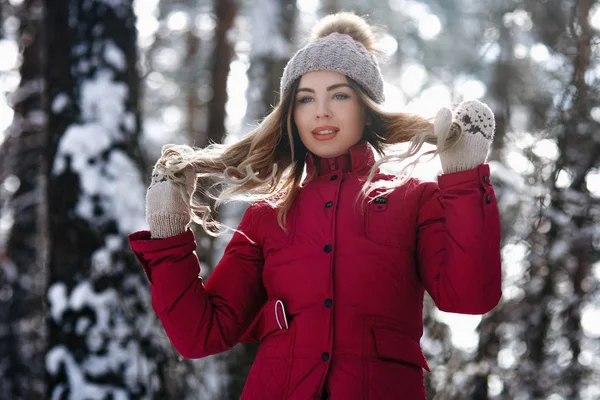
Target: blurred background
(91, 89)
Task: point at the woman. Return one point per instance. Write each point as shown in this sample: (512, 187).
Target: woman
(328, 271)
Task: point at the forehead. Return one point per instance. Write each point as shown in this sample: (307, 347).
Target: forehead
(322, 78)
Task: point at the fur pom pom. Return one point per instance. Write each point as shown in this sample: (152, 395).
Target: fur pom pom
(349, 24)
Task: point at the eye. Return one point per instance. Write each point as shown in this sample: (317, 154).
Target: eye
(304, 100)
(341, 96)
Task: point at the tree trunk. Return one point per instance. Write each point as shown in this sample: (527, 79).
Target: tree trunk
(266, 66)
(194, 115)
(226, 11)
(22, 255)
(103, 339)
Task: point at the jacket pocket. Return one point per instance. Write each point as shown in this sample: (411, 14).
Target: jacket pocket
(271, 319)
(380, 226)
(269, 376)
(394, 345)
(395, 361)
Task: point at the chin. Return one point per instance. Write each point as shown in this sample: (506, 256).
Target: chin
(329, 154)
(324, 152)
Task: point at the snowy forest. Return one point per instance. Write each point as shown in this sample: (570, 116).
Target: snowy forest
(91, 90)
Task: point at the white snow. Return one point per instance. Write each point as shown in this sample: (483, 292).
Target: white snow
(59, 103)
(57, 298)
(82, 325)
(79, 386)
(125, 191)
(101, 261)
(109, 333)
(103, 102)
(10, 55)
(592, 181)
(115, 182)
(82, 143)
(114, 56)
(83, 294)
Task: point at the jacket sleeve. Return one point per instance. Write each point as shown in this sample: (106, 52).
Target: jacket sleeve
(458, 234)
(203, 320)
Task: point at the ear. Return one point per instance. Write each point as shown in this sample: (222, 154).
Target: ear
(368, 121)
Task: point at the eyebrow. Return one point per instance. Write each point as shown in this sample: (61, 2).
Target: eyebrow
(330, 88)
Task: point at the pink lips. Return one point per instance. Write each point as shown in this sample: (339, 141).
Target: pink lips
(325, 136)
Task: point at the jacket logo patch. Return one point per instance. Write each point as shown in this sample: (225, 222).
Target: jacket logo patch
(380, 204)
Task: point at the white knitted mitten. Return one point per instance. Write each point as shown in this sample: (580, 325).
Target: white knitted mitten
(477, 125)
(166, 212)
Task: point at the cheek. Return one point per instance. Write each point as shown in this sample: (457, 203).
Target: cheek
(358, 121)
(299, 119)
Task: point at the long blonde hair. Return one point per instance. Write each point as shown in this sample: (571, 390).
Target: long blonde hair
(267, 164)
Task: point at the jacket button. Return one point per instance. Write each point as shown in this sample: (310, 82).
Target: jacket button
(325, 356)
(327, 248)
(333, 178)
(486, 179)
(328, 303)
(488, 199)
(329, 204)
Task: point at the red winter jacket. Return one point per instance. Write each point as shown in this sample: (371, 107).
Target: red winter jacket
(336, 301)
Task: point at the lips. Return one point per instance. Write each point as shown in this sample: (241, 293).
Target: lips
(326, 132)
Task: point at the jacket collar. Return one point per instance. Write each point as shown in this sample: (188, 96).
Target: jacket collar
(358, 160)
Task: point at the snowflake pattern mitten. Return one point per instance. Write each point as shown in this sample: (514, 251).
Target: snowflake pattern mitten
(476, 123)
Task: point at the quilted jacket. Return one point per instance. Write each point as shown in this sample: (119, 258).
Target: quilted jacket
(336, 299)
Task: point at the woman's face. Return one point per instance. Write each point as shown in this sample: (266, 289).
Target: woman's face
(328, 113)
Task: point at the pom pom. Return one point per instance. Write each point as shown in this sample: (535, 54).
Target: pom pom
(348, 24)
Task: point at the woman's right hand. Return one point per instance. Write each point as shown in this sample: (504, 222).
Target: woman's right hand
(167, 214)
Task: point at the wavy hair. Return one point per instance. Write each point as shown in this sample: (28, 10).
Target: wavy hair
(267, 164)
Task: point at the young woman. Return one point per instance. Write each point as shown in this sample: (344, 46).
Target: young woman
(328, 268)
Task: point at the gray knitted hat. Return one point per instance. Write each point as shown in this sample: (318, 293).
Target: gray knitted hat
(336, 52)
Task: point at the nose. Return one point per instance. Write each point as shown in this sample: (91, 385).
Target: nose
(323, 110)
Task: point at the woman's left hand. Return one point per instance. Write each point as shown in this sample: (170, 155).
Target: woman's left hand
(476, 126)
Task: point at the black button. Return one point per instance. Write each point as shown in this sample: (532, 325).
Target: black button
(327, 248)
(328, 303)
(486, 179)
(329, 204)
(333, 178)
(325, 356)
(488, 199)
